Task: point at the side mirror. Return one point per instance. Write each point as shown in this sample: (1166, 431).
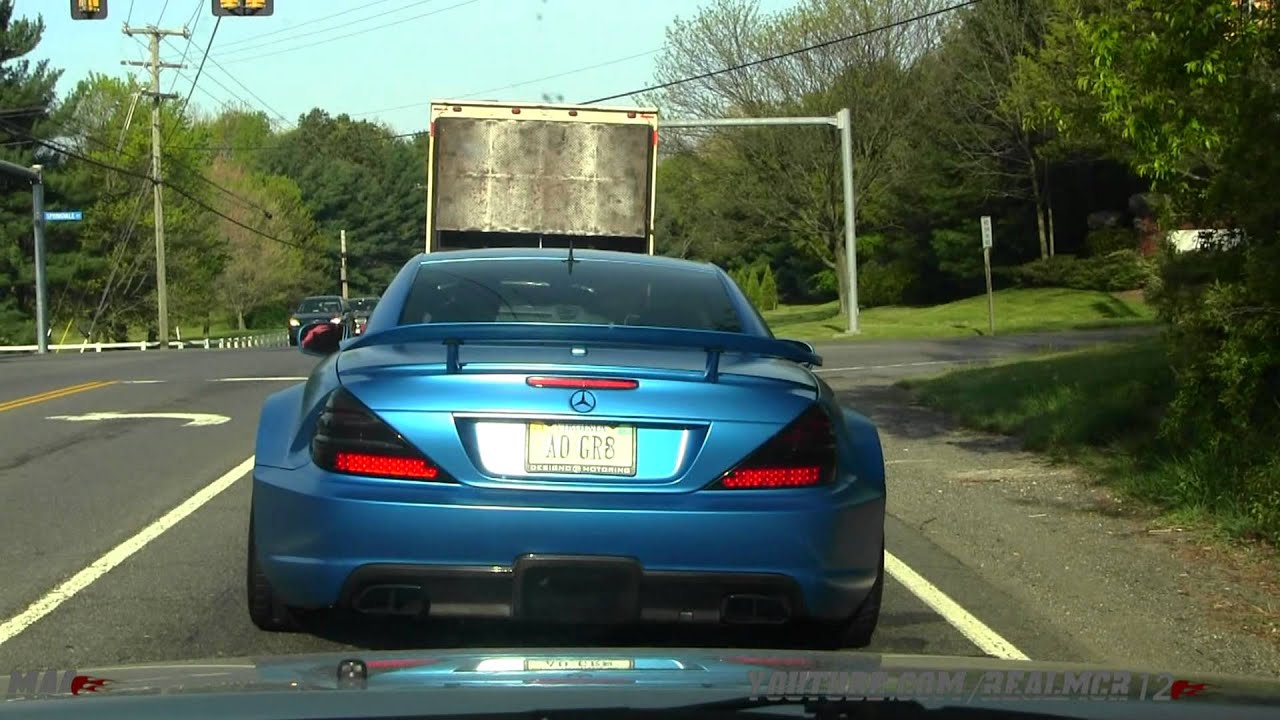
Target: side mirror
(319, 339)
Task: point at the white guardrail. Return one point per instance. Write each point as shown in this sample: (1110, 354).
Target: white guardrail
(265, 340)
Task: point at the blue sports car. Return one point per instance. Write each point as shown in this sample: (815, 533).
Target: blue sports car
(589, 437)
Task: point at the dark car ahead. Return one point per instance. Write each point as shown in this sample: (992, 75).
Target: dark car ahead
(361, 309)
(328, 308)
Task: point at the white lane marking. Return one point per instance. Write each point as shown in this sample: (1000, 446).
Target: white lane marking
(193, 419)
(259, 379)
(117, 555)
(978, 633)
(885, 367)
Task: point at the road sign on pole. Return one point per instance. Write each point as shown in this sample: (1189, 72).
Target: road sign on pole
(986, 263)
(63, 216)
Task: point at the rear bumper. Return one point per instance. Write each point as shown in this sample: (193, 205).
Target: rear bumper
(325, 540)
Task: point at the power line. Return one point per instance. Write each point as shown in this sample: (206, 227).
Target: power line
(352, 34)
(176, 188)
(199, 70)
(190, 39)
(129, 15)
(779, 56)
(253, 39)
(163, 8)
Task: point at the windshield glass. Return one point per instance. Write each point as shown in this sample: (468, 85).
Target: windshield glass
(594, 293)
(901, 327)
(320, 305)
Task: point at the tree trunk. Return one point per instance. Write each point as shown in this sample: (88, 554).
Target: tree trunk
(240, 320)
(1038, 198)
(1052, 241)
(1048, 203)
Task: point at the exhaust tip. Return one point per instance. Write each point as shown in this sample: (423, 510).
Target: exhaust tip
(403, 600)
(749, 609)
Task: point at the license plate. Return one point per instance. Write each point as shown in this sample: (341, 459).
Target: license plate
(579, 664)
(573, 449)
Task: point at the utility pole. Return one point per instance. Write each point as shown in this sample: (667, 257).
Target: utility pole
(343, 236)
(162, 286)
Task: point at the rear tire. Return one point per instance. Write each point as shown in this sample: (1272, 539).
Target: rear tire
(856, 631)
(265, 609)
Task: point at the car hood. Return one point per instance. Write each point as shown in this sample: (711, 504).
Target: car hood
(622, 677)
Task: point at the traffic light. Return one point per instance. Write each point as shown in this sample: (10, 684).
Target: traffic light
(88, 9)
(243, 8)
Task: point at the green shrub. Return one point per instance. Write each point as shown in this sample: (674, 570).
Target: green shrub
(768, 299)
(884, 283)
(1105, 241)
(1113, 272)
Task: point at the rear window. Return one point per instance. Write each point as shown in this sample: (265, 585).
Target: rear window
(596, 292)
(363, 304)
(320, 305)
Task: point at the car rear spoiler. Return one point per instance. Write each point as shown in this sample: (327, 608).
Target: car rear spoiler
(713, 343)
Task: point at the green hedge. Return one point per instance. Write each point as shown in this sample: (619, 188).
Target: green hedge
(1112, 272)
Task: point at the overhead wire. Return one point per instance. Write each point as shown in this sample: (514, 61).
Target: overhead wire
(350, 34)
(790, 53)
(258, 46)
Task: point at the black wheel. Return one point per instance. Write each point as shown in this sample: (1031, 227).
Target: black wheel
(265, 609)
(858, 629)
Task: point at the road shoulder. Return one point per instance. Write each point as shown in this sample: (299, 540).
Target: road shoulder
(1083, 562)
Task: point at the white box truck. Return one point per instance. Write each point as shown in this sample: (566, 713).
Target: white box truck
(534, 175)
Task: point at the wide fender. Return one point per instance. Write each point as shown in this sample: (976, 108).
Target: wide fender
(287, 419)
(868, 453)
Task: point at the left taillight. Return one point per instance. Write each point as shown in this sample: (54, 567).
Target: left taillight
(803, 454)
(352, 440)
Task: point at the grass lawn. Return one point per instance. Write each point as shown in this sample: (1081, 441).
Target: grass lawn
(1019, 310)
(1101, 408)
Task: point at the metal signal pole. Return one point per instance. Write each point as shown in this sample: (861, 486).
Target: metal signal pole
(162, 286)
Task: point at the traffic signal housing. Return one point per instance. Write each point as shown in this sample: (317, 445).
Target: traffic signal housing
(243, 8)
(88, 9)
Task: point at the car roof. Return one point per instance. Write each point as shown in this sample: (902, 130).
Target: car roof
(321, 297)
(560, 254)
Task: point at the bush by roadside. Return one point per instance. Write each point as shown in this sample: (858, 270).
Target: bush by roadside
(1104, 408)
(1112, 272)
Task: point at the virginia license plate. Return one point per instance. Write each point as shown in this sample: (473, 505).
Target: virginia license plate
(574, 449)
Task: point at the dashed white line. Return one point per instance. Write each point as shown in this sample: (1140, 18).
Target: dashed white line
(977, 632)
(886, 367)
(282, 378)
(117, 555)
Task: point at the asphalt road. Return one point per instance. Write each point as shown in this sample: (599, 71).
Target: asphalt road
(71, 491)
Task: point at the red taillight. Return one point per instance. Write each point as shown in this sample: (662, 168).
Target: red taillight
(802, 455)
(350, 439)
(384, 466)
(572, 383)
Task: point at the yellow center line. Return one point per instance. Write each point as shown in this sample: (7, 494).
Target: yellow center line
(53, 394)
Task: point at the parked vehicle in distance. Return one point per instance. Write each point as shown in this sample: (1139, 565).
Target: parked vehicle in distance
(322, 308)
(361, 309)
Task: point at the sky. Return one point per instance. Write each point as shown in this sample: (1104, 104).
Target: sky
(382, 60)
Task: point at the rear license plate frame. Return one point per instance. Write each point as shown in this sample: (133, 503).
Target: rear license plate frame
(576, 466)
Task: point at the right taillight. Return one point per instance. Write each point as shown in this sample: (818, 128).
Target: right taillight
(803, 454)
(351, 440)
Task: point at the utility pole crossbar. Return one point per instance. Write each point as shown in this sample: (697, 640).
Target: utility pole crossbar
(162, 287)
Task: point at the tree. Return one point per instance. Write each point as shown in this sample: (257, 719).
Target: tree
(788, 180)
(993, 138)
(27, 91)
(260, 271)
